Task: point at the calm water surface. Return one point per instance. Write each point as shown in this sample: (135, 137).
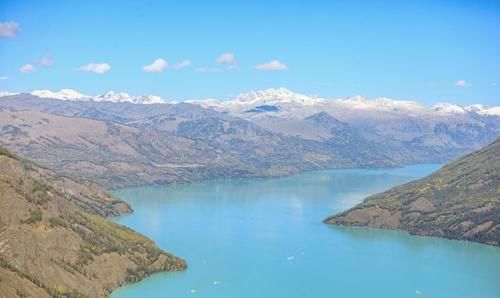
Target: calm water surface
(264, 238)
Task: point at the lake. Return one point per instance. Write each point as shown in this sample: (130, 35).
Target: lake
(265, 238)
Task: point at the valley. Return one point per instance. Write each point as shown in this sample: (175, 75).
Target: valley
(249, 149)
(120, 144)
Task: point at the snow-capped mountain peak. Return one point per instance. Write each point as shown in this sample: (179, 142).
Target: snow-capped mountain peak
(64, 94)
(384, 103)
(275, 96)
(114, 97)
(2, 94)
(448, 108)
(477, 108)
(357, 97)
(149, 99)
(482, 110)
(125, 97)
(290, 103)
(296, 105)
(70, 94)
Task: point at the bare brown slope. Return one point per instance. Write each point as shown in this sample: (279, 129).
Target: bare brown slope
(164, 149)
(49, 246)
(460, 201)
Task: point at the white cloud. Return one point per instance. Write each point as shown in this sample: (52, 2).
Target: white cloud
(45, 61)
(158, 65)
(493, 84)
(27, 68)
(95, 67)
(461, 83)
(4, 78)
(226, 58)
(271, 66)
(182, 64)
(9, 29)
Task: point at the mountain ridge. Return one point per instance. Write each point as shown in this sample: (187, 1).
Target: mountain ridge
(111, 96)
(55, 242)
(270, 95)
(166, 149)
(460, 201)
(123, 144)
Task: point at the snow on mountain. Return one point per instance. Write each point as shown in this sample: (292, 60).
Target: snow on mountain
(114, 97)
(125, 97)
(149, 99)
(63, 94)
(294, 104)
(70, 94)
(2, 94)
(384, 103)
(279, 95)
(290, 104)
(482, 110)
(448, 108)
(285, 96)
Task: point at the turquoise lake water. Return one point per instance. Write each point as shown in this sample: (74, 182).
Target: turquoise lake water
(265, 238)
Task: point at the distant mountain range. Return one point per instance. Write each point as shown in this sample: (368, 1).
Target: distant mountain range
(283, 96)
(117, 140)
(275, 96)
(460, 201)
(73, 95)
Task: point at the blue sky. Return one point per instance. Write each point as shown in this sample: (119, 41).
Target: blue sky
(429, 51)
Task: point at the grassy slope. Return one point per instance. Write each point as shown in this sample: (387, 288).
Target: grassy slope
(460, 201)
(50, 246)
